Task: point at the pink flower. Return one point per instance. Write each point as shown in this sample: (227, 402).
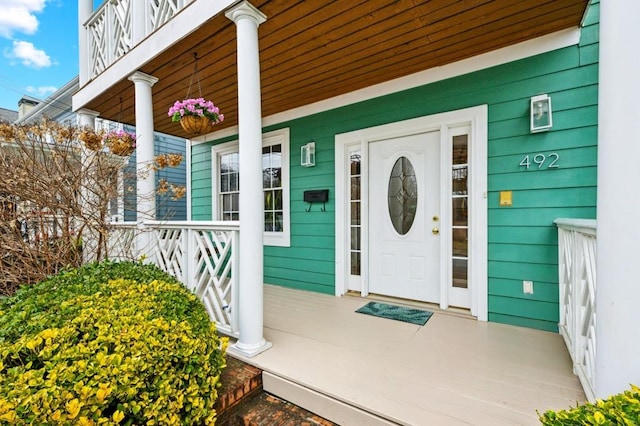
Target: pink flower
(196, 107)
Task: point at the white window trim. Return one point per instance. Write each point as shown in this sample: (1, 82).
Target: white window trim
(281, 136)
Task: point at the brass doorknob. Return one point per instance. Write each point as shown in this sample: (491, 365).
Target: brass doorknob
(435, 231)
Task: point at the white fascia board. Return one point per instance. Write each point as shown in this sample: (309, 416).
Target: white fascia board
(188, 20)
(548, 43)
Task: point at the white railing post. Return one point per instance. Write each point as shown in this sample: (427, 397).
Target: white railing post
(138, 21)
(185, 245)
(235, 271)
(85, 8)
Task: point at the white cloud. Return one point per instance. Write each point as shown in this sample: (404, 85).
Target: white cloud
(42, 91)
(19, 16)
(29, 55)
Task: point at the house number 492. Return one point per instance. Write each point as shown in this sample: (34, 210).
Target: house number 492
(550, 161)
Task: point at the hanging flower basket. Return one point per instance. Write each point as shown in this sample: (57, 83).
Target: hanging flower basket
(196, 125)
(90, 139)
(120, 142)
(196, 116)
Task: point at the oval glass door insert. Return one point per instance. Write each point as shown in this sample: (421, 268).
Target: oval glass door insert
(402, 196)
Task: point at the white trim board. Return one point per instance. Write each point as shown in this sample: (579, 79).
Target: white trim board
(505, 55)
(475, 118)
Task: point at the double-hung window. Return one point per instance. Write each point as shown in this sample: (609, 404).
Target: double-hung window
(275, 185)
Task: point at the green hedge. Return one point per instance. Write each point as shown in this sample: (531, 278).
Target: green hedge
(109, 343)
(621, 409)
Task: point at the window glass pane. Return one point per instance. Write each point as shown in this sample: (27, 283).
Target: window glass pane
(268, 221)
(402, 195)
(224, 183)
(459, 211)
(276, 176)
(355, 213)
(460, 273)
(355, 263)
(355, 188)
(460, 242)
(355, 206)
(459, 180)
(278, 222)
(272, 166)
(355, 238)
(278, 199)
(234, 182)
(235, 202)
(355, 163)
(460, 149)
(268, 200)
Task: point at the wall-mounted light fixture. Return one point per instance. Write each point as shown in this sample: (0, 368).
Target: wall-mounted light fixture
(308, 155)
(541, 119)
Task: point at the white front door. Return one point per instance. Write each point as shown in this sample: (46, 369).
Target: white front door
(404, 217)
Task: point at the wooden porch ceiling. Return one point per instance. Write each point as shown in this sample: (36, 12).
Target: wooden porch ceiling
(315, 50)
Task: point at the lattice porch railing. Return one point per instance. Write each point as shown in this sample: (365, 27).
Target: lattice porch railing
(118, 25)
(577, 279)
(110, 34)
(202, 255)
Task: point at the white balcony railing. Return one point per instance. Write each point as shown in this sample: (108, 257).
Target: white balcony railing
(118, 25)
(202, 255)
(577, 279)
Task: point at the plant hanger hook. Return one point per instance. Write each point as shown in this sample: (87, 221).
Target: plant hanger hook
(195, 75)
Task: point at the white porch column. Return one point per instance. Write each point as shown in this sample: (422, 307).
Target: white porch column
(618, 291)
(85, 9)
(250, 294)
(87, 118)
(145, 187)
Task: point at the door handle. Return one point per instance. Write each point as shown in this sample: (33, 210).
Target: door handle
(435, 231)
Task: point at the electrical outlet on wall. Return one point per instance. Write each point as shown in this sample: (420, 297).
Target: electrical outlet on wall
(527, 287)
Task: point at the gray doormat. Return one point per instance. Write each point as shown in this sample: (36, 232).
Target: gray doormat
(398, 313)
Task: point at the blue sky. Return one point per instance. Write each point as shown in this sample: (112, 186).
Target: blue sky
(38, 48)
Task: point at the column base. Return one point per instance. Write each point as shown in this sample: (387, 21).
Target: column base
(248, 351)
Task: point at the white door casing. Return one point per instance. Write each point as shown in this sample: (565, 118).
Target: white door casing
(449, 124)
(404, 259)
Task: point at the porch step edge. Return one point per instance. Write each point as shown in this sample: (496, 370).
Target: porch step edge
(318, 403)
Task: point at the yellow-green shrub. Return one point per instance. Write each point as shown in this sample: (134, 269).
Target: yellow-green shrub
(620, 409)
(82, 349)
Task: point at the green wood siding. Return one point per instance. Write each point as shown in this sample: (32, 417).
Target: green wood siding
(522, 238)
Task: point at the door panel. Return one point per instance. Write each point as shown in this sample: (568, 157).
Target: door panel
(404, 207)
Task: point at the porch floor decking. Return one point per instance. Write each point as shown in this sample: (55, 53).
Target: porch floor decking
(453, 370)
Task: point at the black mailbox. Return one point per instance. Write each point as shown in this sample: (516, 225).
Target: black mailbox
(316, 196)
